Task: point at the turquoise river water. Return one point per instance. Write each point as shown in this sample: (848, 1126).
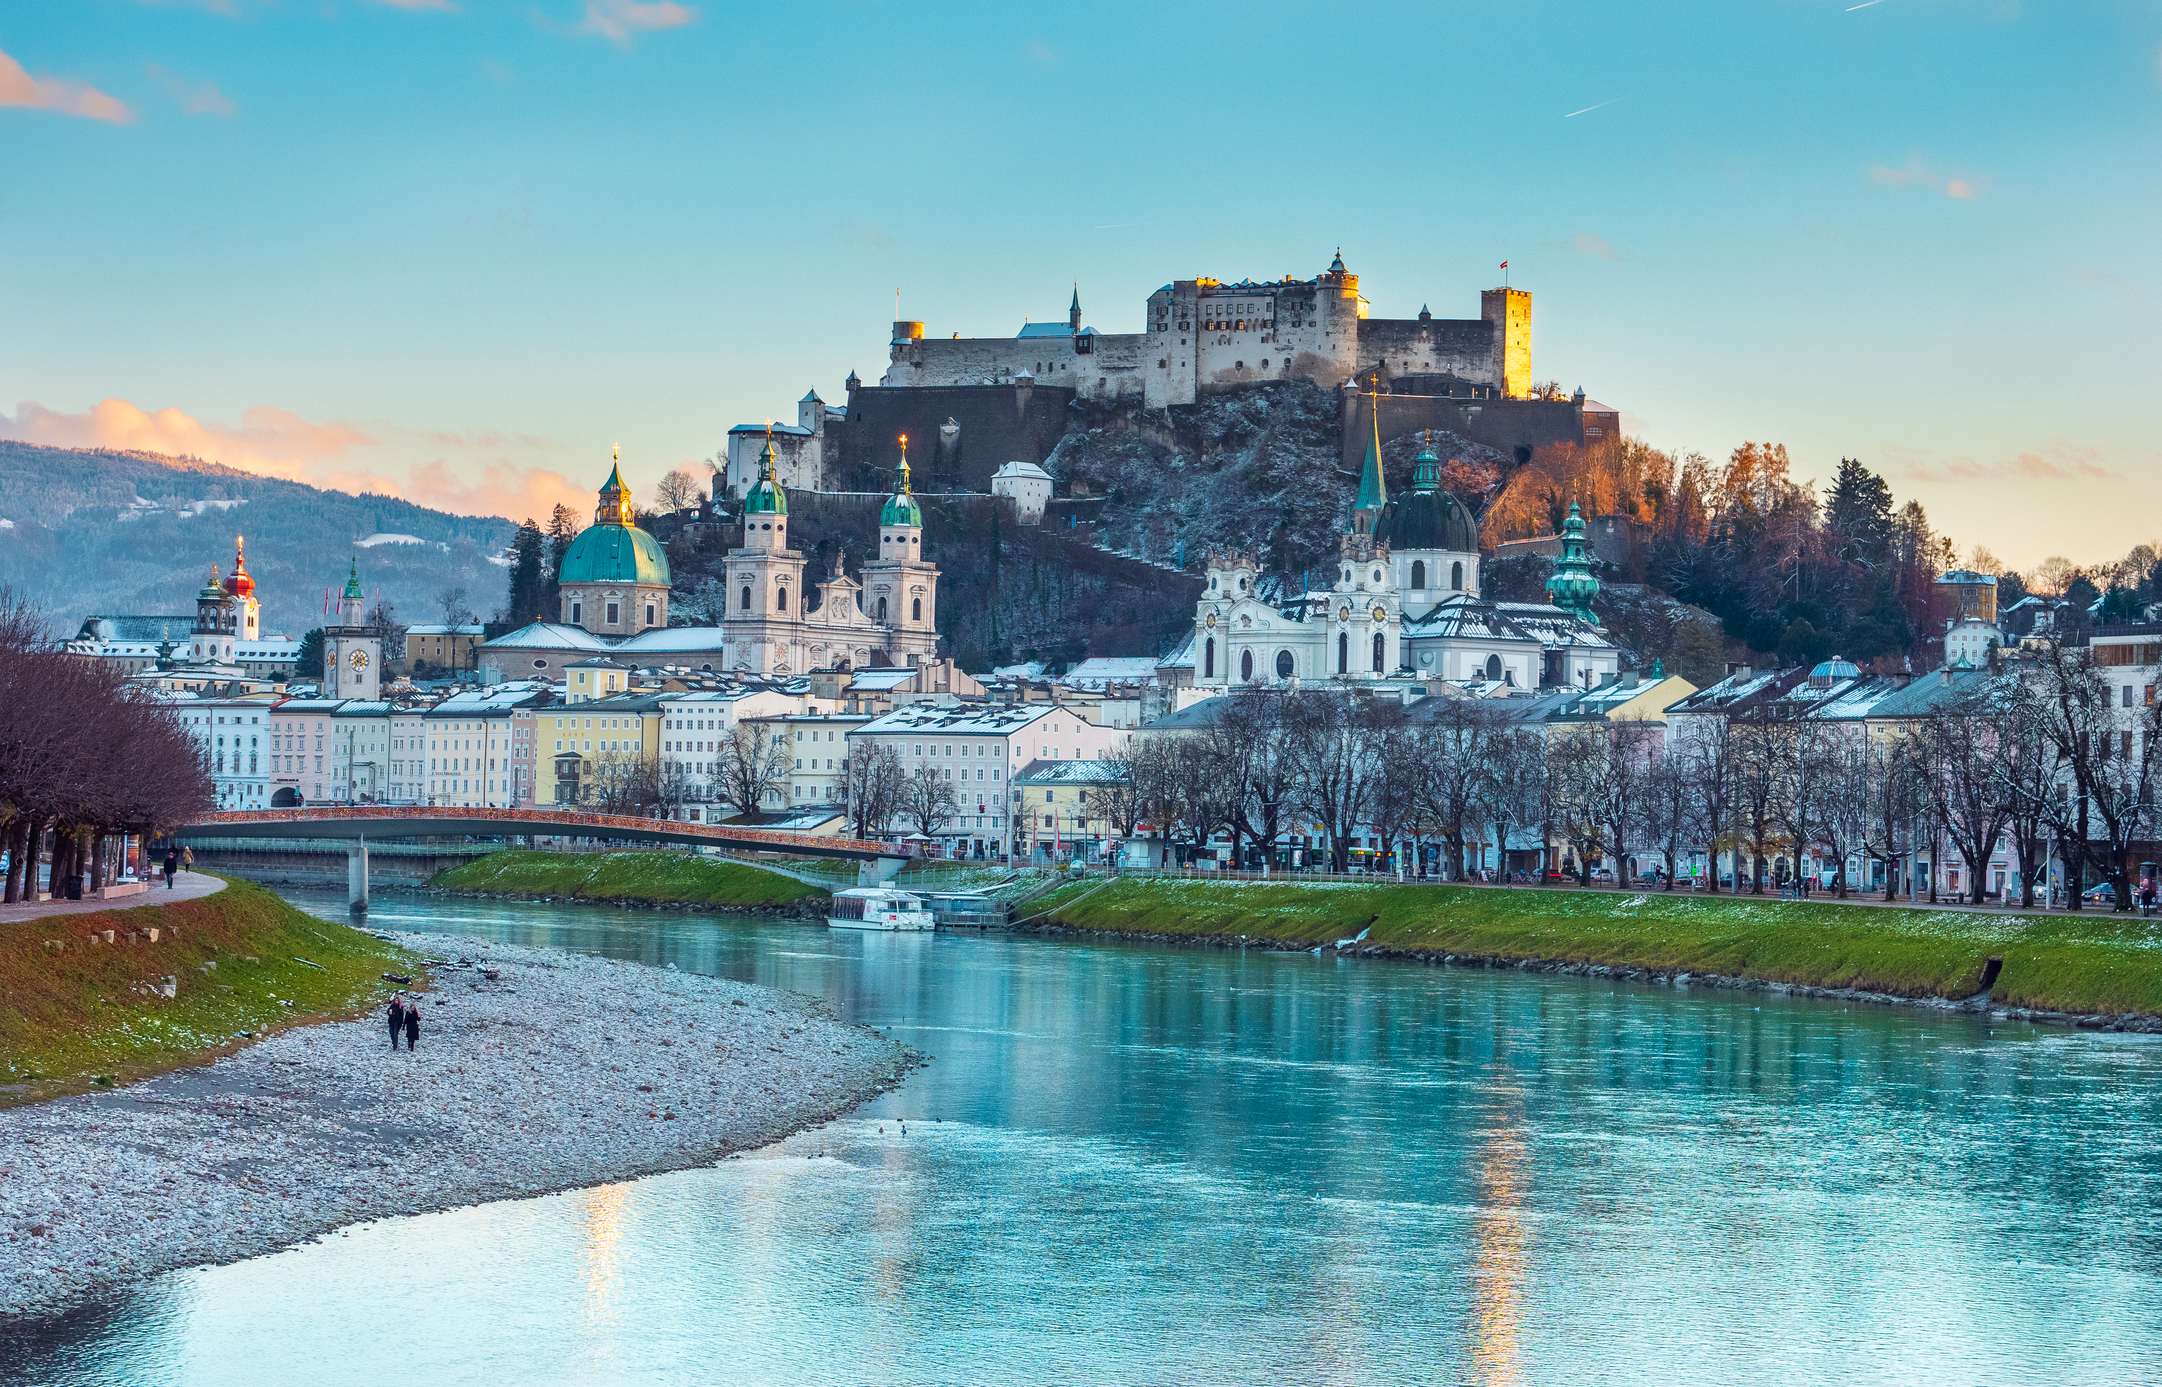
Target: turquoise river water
(1130, 1164)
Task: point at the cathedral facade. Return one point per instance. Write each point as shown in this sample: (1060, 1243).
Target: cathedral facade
(1405, 605)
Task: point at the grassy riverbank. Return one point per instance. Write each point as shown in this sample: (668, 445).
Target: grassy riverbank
(83, 1015)
(2097, 964)
(661, 878)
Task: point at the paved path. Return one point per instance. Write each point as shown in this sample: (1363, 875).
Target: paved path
(188, 887)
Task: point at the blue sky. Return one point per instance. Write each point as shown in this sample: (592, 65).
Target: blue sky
(456, 248)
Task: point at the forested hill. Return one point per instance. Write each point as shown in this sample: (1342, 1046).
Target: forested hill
(86, 531)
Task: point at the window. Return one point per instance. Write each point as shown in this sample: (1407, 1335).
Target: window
(1283, 664)
(1456, 577)
(915, 609)
(1381, 654)
(1208, 658)
(1418, 574)
(577, 613)
(746, 598)
(615, 613)
(1493, 666)
(780, 599)
(649, 613)
(1246, 665)
(1343, 653)
(881, 609)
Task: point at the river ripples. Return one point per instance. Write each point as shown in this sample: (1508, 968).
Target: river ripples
(1131, 1164)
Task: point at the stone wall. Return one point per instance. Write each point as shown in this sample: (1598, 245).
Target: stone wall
(996, 424)
(1514, 426)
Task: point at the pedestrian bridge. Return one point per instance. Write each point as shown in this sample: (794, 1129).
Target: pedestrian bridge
(382, 822)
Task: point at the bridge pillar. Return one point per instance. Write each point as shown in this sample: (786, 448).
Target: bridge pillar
(356, 877)
(880, 871)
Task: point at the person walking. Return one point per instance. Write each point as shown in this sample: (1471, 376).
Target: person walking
(412, 1024)
(397, 1017)
(172, 866)
(187, 859)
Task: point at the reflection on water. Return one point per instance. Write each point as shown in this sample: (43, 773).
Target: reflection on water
(1499, 1252)
(1142, 1165)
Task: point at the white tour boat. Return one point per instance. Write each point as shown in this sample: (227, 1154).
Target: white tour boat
(878, 907)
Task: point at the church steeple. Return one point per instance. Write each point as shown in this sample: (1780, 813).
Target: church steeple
(1073, 314)
(615, 501)
(1573, 584)
(901, 507)
(1373, 490)
(1426, 468)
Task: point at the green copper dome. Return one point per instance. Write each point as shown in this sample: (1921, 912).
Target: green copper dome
(352, 584)
(614, 554)
(901, 507)
(1573, 585)
(767, 497)
(1427, 517)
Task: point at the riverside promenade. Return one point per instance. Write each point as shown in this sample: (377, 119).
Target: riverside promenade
(188, 886)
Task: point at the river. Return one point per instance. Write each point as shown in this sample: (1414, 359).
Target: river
(1133, 1164)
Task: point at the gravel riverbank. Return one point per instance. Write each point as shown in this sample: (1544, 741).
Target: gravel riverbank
(548, 1071)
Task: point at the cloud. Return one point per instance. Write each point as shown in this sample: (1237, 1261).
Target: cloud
(1584, 243)
(203, 100)
(273, 442)
(2103, 279)
(19, 88)
(1916, 174)
(619, 20)
(2070, 462)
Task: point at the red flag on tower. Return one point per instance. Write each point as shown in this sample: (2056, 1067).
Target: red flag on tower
(1505, 264)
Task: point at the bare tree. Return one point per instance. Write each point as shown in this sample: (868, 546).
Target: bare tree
(1843, 785)
(623, 782)
(1671, 806)
(1759, 781)
(1710, 753)
(872, 787)
(751, 764)
(1119, 796)
(927, 800)
(1250, 742)
(2026, 770)
(676, 490)
(1960, 741)
(1393, 800)
(1454, 751)
(457, 611)
(1331, 738)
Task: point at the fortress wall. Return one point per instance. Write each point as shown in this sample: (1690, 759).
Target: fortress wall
(1454, 346)
(1505, 424)
(998, 424)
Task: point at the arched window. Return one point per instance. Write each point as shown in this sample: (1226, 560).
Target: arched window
(746, 597)
(1283, 664)
(1208, 658)
(915, 609)
(1418, 574)
(881, 609)
(1246, 666)
(780, 599)
(1381, 654)
(1456, 577)
(1343, 653)
(1493, 666)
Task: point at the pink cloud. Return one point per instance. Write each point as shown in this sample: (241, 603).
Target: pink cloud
(195, 100)
(1917, 174)
(19, 88)
(619, 20)
(273, 442)
(2069, 462)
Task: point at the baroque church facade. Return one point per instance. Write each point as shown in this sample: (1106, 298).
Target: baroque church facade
(614, 584)
(1405, 606)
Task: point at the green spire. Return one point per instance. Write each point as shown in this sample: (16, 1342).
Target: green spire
(1373, 491)
(766, 496)
(1573, 585)
(352, 584)
(1426, 468)
(901, 507)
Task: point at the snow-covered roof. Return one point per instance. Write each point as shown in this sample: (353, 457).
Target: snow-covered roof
(1182, 656)
(1100, 670)
(1027, 470)
(471, 629)
(1071, 773)
(995, 719)
(791, 430)
(550, 635)
(665, 639)
(1060, 329)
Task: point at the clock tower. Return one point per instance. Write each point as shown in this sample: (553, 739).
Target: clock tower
(352, 650)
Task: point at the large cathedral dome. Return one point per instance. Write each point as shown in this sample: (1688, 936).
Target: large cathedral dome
(614, 554)
(1427, 517)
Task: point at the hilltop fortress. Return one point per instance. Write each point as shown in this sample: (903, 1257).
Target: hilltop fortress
(1202, 335)
(977, 404)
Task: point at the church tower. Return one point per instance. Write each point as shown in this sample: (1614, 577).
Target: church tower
(900, 589)
(613, 580)
(1373, 488)
(352, 650)
(765, 576)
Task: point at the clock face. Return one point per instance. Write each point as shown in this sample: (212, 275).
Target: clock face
(360, 659)
(1381, 613)
(1343, 613)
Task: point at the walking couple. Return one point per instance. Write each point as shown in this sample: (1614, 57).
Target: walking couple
(404, 1020)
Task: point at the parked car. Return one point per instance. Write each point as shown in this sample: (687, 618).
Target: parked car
(2100, 894)
(1602, 874)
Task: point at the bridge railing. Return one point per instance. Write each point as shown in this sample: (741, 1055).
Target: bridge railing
(528, 821)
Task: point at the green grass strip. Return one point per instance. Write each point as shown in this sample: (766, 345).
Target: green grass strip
(2095, 962)
(675, 878)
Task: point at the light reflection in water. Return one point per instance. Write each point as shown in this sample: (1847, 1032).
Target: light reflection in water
(1500, 1261)
(602, 1221)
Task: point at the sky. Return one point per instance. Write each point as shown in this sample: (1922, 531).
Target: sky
(457, 249)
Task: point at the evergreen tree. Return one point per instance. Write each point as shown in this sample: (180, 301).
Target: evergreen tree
(1858, 514)
(562, 529)
(528, 583)
(310, 664)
